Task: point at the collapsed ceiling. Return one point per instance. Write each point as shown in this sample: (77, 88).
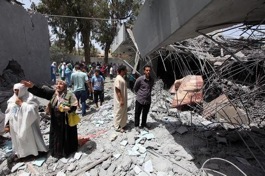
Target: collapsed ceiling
(161, 23)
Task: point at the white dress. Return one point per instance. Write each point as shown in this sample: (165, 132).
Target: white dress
(24, 124)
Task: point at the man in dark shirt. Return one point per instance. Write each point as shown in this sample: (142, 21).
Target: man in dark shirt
(143, 87)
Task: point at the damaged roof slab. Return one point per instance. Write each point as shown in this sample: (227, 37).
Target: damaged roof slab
(164, 22)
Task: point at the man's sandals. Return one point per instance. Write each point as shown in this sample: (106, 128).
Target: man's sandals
(121, 130)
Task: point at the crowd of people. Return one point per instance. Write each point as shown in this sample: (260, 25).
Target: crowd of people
(22, 115)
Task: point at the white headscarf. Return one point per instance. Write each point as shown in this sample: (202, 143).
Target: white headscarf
(22, 116)
(23, 94)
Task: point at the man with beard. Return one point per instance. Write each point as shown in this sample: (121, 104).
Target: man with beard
(143, 87)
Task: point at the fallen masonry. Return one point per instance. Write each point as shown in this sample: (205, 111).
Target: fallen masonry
(173, 145)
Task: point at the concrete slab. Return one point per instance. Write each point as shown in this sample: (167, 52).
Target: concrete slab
(164, 22)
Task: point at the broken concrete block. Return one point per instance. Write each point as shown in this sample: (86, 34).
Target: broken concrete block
(141, 140)
(98, 155)
(64, 160)
(60, 173)
(124, 143)
(78, 155)
(185, 154)
(84, 161)
(133, 153)
(17, 166)
(106, 164)
(113, 137)
(206, 123)
(102, 172)
(141, 149)
(161, 164)
(148, 166)
(189, 90)
(235, 116)
(71, 160)
(173, 112)
(152, 145)
(116, 155)
(143, 174)
(4, 170)
(131, 139)
(93, 172)
(161, 174)
(87, 174)
(39, 161)
(149, 136)
(182, 130)
(137, 169)
(71, 167)
(126, 164)
(55, 166)
(24, 174)
(111, 169)
(214, 106)
(141, 159)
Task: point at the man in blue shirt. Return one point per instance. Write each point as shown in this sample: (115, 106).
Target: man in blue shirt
(143, 87)
(79, 79)
(97, 82)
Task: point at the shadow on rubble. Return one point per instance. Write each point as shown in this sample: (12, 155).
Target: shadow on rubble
(130, 125)
(201, 144)
(88, 147)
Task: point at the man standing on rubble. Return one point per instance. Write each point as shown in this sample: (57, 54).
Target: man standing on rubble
(120, 100)
(79, 79)
(97, 82)
(143, 87)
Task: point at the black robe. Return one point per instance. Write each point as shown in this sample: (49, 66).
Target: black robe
(63, 138)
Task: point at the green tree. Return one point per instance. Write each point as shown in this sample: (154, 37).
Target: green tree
(104, 30)
(68, 28)
(116, 11)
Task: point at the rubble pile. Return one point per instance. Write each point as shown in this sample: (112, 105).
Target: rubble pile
(179, 142)
(113, 153)
(231, 67)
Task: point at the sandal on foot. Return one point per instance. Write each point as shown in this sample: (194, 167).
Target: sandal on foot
(119, 130)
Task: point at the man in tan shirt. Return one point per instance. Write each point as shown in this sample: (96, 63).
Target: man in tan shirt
(120, 100)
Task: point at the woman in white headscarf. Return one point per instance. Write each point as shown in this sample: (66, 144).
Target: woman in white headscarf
(22, 114)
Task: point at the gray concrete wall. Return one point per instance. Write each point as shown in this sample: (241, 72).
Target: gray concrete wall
(159, 19)
(24, 38)
(163, 22)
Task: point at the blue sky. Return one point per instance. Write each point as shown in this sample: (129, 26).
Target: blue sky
(28, 2)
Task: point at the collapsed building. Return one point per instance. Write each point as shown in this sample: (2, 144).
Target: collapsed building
(220, 78)
(217, 83)
(24, 48)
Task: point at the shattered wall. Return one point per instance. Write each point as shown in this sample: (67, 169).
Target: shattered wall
(24, 38)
